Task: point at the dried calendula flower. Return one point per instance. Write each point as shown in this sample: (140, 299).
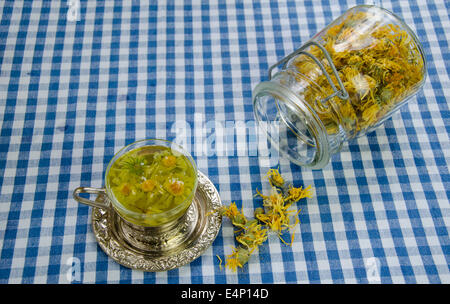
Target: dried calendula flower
(275, 178)
(296, 194)
(251, 236)
(275, 215)
(169, 161)
(126, 189)
(378, 63)
(237, 217)
(148, 185)
(175, 186)
(238, 258)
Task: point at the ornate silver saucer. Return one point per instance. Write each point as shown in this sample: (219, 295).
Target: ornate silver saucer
(162, 248)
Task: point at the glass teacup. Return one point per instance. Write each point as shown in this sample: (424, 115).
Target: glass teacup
(108, 200)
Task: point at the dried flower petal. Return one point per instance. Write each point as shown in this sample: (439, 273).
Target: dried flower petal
(275, 215)
(378, 67)
(275, 178)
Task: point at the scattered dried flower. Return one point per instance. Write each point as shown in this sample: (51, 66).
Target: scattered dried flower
(275, 178)
(275, 214)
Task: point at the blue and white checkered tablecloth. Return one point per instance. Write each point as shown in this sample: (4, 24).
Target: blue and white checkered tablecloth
(76, 85)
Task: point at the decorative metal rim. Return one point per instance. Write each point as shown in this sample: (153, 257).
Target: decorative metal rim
(127, 256)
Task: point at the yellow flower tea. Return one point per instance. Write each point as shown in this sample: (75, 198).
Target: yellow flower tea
(151, 179)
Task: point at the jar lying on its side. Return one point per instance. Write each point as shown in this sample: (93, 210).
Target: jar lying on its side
(343, 83)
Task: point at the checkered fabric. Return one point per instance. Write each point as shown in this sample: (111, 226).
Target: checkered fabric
(77, 83)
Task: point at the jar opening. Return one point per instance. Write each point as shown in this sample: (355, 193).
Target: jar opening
(291, 125)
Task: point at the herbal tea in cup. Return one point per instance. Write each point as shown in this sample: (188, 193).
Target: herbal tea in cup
(149, 183)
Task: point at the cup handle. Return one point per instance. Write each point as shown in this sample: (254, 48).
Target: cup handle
(96, 204)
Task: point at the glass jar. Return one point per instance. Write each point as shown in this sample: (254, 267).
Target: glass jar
(343, 83)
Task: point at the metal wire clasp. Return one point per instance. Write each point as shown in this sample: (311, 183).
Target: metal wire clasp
(341, 93)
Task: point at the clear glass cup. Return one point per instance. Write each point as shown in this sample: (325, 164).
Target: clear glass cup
(167, 218)
(341, 84)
